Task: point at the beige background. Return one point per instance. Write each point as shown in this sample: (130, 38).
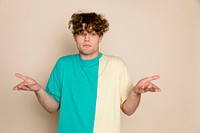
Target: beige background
(152, 36)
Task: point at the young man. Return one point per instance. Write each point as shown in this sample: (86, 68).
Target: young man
(90, 88)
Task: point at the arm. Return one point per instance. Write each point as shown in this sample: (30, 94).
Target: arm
(130, 105)
(43, 97)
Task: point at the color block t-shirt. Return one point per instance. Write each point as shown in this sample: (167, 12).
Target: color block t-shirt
(89, 93)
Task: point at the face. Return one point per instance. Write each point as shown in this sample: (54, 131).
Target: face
(88, 44)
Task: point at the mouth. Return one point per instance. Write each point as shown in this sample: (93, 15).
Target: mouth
(86, 45)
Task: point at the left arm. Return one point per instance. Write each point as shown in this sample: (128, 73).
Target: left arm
(130, 105)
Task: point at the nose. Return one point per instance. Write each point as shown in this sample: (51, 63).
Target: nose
(87, 37)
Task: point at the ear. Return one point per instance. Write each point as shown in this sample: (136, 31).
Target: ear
(74, 36)
(100, 38)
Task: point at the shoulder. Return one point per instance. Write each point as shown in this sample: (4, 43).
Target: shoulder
(65, 60)
(67, 57)
(113, 59)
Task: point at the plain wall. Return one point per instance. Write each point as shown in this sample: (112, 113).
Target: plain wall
(152, 36)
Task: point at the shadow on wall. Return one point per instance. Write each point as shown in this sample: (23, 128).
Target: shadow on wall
(198, 2)
(68, 45)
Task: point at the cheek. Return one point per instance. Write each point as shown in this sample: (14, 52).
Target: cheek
(78, 39)
(95, 41)
(78, 45)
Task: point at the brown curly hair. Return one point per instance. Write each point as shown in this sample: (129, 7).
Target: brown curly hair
(88, 21)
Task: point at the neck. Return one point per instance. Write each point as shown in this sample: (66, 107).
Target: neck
(89, 56)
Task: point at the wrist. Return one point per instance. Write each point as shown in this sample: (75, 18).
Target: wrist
(135, 93)
(40, 90)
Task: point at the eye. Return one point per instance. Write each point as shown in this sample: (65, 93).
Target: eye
(93, 34)
(82, 34)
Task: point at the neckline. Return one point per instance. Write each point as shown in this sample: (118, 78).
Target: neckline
(89, 62)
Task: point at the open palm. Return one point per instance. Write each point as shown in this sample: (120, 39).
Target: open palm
(28, 84)
(145, 85)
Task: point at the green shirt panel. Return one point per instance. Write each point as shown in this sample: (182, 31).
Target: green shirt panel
(73, 84)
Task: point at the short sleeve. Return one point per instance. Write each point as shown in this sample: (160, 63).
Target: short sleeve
(53, 86)
(126, 84)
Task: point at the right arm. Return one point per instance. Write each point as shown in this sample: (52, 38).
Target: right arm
(29, 84)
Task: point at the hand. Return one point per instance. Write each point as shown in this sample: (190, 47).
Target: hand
(27, 84)
(145, 85)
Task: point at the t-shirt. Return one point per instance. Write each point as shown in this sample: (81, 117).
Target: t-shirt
(89, 93)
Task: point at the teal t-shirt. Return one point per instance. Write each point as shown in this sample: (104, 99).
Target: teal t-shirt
(73, 84)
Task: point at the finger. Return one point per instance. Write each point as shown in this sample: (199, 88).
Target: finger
(19, 85)
(150, 88)
(147, 87)
(16, 87)
(154, 77)
(21, 76)
(24, 88)
(148, 79)
(154, 88)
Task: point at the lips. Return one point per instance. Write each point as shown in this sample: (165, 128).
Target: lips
(86, 45)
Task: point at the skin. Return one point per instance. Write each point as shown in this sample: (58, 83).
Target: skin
(130, 105)
(29, 84)
(88, 46)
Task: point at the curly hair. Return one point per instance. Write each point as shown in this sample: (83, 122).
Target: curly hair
(88, 21)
